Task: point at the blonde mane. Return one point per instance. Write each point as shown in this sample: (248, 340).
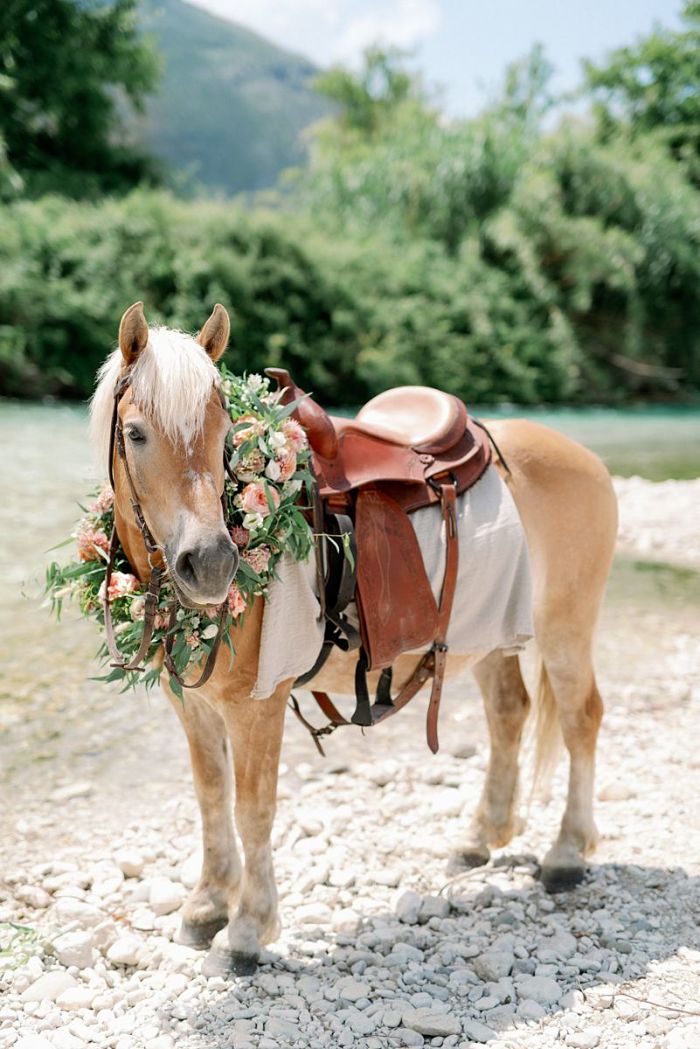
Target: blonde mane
(171, 382)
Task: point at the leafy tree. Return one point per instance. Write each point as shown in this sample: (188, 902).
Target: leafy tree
(371, 97)
(654, 85)
(63, 66)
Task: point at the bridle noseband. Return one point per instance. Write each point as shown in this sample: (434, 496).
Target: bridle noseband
(158, 571)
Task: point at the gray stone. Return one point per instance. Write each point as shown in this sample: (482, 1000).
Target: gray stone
(529, 1009)
(408, 907)
(283, 1029)
(433, 907)
(432, 1022)
(540, 988)
(493, 965)
(361, 1023)
(478, 1032)
(352, 990)
(408, 1037)
(562, 944)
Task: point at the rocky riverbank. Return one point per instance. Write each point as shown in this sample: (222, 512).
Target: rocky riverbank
(660, 520)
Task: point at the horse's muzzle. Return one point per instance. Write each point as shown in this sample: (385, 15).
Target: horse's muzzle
(203, 572)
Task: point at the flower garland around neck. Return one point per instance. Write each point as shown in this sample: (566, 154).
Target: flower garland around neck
(269, 457)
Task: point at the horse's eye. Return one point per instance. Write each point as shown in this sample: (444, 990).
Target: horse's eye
(135, 435)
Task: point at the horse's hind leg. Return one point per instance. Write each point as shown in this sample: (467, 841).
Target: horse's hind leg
(255, 728)
(506, 702)
(568, 687)
(206, 909)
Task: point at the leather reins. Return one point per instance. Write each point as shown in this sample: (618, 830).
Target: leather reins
(116, 442)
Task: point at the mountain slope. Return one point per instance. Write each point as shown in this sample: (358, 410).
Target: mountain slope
(231, 105)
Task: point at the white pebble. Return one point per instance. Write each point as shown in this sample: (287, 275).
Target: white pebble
(130, 862)
(165, 896)
(74, 948)
(124, 951)
(49, 986)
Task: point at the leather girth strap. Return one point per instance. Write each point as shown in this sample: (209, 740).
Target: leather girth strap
(432, 665)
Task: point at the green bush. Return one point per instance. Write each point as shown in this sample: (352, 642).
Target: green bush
(584, 284)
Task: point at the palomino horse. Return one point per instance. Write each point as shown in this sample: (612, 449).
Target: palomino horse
(175, 429)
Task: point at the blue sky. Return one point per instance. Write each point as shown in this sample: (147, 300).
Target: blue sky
(463, 45)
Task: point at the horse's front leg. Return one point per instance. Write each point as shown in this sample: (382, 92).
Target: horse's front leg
(255, 729)
(207, 908)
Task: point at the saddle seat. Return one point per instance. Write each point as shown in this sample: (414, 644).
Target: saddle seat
(417, 417)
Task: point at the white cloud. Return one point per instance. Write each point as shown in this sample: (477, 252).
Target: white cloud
(403, 23)
(333, 30)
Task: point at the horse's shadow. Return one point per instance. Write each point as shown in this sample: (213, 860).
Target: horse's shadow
(595, 942)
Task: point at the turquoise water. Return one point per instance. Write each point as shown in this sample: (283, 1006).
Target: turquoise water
(656, 443)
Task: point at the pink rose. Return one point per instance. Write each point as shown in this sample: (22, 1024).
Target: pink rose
(103, 502)
(121, 584)
(240, 536)
(192, 641)
(254, 428)
(254, 498)
(258, 558)
(90, 541)
(295, 434)
(287, 462)
(235, 600)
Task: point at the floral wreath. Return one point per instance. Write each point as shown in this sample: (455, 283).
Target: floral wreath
(269, 457)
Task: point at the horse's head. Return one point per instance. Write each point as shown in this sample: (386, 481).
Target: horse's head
(172, 429)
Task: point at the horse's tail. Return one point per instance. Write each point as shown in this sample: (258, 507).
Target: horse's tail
(548, 737)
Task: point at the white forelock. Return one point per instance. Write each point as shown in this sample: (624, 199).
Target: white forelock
(171, 382)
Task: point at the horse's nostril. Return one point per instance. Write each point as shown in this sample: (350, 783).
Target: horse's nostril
(185, 567)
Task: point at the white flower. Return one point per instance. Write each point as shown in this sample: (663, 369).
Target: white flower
(276, 439)
(255, 382)
(209, 631)
(292, 487)
(272, 470)
(253, 522)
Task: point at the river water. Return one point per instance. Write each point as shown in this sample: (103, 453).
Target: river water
(56, 722)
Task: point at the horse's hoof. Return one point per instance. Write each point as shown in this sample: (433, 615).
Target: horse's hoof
(199, 935)
(220, 962)
(466, 859)
(561, 879)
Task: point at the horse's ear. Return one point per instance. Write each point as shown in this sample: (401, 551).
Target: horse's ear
(133, 333)
(214, 335)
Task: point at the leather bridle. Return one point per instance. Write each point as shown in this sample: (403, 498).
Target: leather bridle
(158, 571)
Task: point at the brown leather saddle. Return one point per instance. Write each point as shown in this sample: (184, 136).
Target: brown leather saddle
(407, 448)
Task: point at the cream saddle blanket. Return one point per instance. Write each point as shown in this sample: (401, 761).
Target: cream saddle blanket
(493, 600)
